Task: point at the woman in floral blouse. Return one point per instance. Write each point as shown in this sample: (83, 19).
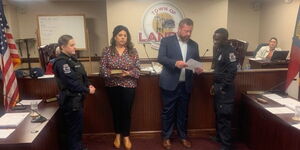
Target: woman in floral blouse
(119, 66)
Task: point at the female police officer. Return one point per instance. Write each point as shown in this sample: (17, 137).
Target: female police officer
(73, 85)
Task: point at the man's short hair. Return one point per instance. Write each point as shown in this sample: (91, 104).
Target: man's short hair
(186, 21)
(274, 38)
(223, 32)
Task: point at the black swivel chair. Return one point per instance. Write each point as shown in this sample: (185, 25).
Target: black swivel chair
(240, 49)
(258, 47)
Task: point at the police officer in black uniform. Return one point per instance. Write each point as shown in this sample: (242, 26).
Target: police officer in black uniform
(73, 85)
(225, 68)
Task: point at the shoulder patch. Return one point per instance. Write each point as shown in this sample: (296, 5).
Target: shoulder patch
(66, 68)
(232, 57)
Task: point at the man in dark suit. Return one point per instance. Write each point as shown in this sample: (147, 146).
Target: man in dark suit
(176, 81)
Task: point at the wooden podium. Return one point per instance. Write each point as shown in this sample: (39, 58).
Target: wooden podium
(263, 64)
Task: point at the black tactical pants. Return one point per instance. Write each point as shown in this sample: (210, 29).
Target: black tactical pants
(72, 121)
(223, 114)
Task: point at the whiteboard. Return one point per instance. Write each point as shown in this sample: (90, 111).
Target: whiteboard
(50, 28)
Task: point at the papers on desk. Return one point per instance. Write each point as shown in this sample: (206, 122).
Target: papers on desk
(296, 126)
(288, 102)
(95, 73)
(46, 76)
(28, 102)
(4, 133)
(12, 120)
(280, 110)
(192, 64)
(272, 96)
(255, 58)
(154, 68)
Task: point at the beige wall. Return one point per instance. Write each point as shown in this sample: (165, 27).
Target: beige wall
(238, 16)
(278, 19)
(207, 15)
(243, 22)
(12, 19)
(94, 11)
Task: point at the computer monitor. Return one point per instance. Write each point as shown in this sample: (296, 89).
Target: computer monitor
(279, 55)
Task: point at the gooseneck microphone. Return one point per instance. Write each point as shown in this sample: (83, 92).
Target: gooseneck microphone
(275, 90)
(38, 119)
(205, 52)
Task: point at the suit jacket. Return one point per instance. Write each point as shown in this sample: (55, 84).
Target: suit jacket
(169, 53)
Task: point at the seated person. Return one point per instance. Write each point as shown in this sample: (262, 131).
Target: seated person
(266, 52)
(51, 61)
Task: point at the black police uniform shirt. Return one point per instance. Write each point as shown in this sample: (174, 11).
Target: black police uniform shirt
(224, 72)
(71, 74)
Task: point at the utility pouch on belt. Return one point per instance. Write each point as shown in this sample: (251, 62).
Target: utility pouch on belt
(76, 102)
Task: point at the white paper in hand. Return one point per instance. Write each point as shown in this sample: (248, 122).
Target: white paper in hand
(192, 64)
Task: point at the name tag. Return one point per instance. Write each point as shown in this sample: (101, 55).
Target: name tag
(220, 57)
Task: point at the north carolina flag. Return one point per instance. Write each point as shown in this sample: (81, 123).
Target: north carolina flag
(292, 82)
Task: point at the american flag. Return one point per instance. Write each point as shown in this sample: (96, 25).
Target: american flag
(9, 58)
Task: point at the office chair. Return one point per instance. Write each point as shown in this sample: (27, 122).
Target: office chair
(47, 53)
(240, 49)
(258, 47)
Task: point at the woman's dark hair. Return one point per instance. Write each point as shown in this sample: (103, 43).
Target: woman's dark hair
(129, 44)
(64, 40)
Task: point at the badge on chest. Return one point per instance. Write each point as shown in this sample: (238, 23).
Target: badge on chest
(232, 57)
(66, 68)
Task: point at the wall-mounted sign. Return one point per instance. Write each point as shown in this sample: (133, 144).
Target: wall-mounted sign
(160, 20)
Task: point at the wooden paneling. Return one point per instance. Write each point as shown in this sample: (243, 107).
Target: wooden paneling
(263, 64)
(146, 113)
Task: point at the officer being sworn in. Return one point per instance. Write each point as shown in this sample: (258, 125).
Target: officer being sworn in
(223, 87)
(73, 86)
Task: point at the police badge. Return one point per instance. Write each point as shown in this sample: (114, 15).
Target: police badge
(232, 57)
(66, 68)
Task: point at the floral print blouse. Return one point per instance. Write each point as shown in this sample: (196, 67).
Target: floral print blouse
(125, 62)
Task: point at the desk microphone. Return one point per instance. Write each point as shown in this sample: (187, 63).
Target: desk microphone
(272, 89)
(205, 52)
(144, 45)
(38, 119)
